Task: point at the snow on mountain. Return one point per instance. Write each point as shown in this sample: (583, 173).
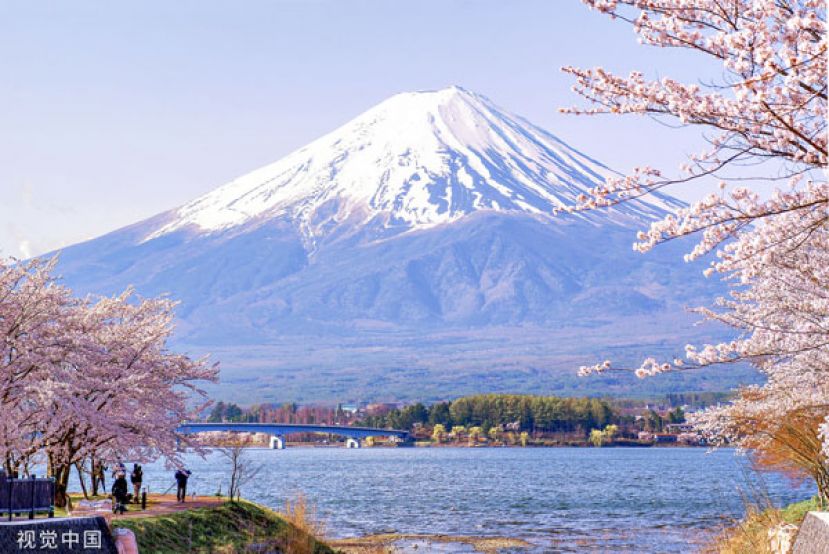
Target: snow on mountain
(419, 159)
(414, 244)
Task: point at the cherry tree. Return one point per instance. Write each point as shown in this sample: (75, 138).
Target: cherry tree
(120, 394)
(84, 377)
(780, 304)
(765, 121)
(31, 339)
(766, 118)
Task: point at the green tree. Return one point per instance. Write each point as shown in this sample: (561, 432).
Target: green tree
(234, 413)
(495, 434)
(602, 437)
(653, 422)
(438, 432)
(475, 434)
(439, 413)
(677, 415)
(217, 414)
(610, 432)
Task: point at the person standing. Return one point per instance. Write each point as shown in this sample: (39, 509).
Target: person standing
(119, 493)
(136, 478)
(98, 477)
(119, 468)
(181, 481)
(94, 475)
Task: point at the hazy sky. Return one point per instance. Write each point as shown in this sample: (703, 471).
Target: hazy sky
(113, 112)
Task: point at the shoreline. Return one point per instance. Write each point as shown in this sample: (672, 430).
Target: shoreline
(477, 446)
(391, 542)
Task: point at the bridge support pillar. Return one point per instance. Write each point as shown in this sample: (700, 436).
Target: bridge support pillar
(277, 442)
(351, 442)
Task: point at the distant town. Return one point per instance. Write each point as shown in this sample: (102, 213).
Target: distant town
(490, 420)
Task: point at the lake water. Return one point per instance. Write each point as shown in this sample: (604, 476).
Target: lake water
(559, 499)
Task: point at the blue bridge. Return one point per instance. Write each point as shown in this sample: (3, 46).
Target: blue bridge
(279, 430)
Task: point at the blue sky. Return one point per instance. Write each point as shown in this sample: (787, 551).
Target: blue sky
(112, 112)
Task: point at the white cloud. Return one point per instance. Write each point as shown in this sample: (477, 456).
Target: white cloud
(25, 249)
(33, 223)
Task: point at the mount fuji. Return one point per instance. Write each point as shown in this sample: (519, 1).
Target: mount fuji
(411, 253)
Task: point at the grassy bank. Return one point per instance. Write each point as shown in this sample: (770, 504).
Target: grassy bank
(227, 528)
(794, 513)
(752, 534)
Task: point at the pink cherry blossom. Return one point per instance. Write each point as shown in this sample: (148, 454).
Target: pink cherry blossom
(88, 377)
(765, 122)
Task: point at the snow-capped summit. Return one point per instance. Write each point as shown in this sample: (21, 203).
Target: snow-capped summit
(415, 160)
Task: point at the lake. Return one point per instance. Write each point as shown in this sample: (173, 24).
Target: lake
(558, 499)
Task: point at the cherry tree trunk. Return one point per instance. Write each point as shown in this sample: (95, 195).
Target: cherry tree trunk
(61, 475)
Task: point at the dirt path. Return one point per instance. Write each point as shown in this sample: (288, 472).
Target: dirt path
(157, 504)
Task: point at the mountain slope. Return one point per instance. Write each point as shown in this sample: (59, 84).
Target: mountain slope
(415, 239)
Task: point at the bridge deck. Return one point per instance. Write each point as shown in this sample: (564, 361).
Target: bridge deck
(281, 429)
